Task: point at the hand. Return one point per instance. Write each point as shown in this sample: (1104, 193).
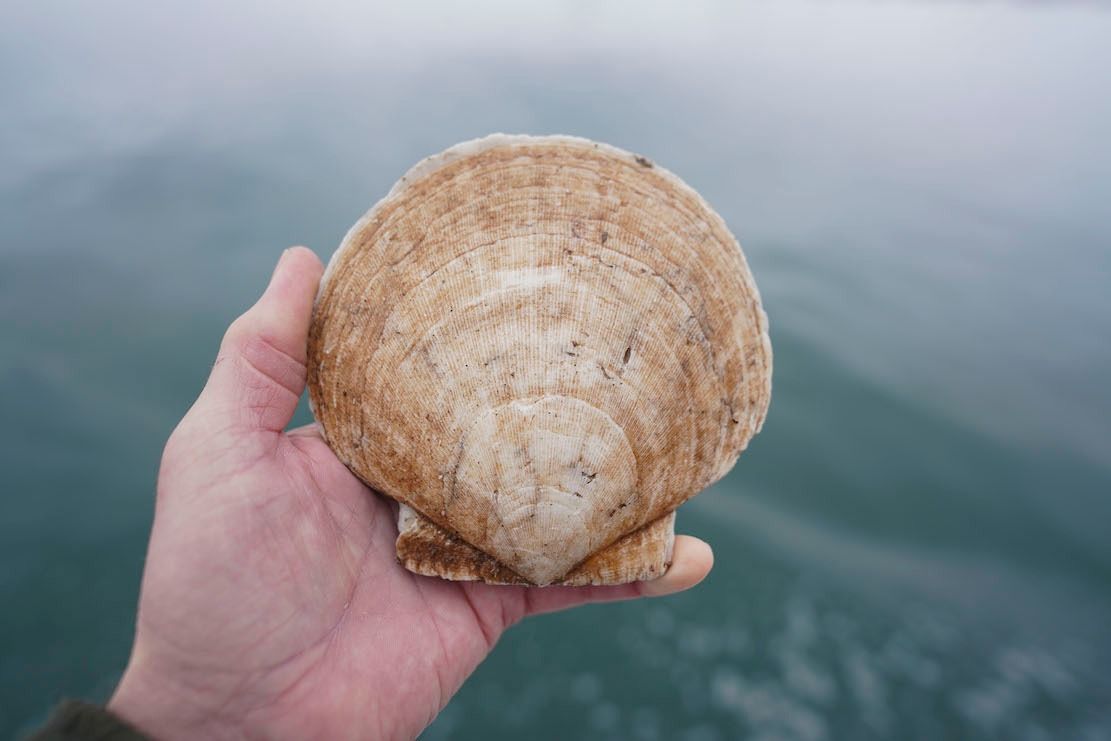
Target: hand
(272, 603)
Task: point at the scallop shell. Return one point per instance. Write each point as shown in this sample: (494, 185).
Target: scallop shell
(540, 347)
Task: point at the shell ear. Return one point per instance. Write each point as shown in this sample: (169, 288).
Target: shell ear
(425, 548)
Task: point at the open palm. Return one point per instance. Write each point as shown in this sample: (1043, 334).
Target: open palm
(272, 603)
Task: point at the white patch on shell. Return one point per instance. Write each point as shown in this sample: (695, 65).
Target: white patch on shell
(528, 278)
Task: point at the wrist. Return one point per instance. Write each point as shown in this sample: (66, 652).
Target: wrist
(162, 707)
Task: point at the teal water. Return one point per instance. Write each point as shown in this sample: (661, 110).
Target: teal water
(919, 543)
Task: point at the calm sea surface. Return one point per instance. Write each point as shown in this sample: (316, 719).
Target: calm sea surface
(919, 543)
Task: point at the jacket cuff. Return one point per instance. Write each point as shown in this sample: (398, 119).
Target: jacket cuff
(74, 720)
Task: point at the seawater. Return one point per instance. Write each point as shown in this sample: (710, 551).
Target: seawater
(916, 546)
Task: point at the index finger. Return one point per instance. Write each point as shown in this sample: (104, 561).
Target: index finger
(691, 562)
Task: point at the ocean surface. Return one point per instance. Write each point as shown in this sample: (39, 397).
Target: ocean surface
(917, 546)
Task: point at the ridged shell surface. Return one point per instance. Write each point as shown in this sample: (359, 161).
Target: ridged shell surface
(540, 346)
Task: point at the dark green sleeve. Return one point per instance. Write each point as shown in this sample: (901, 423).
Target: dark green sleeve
(80, 721)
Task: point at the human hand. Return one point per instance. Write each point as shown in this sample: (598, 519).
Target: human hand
(272, 603)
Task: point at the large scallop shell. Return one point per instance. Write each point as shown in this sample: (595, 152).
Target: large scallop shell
(540, 347)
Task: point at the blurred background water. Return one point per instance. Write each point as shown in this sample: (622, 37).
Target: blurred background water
(919, 543)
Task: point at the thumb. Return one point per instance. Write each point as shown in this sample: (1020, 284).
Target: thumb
(260, 371)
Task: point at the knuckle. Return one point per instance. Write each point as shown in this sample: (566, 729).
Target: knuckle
(238, 334)
(279, 368)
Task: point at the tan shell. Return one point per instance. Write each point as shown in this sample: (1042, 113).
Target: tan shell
(540, 346)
